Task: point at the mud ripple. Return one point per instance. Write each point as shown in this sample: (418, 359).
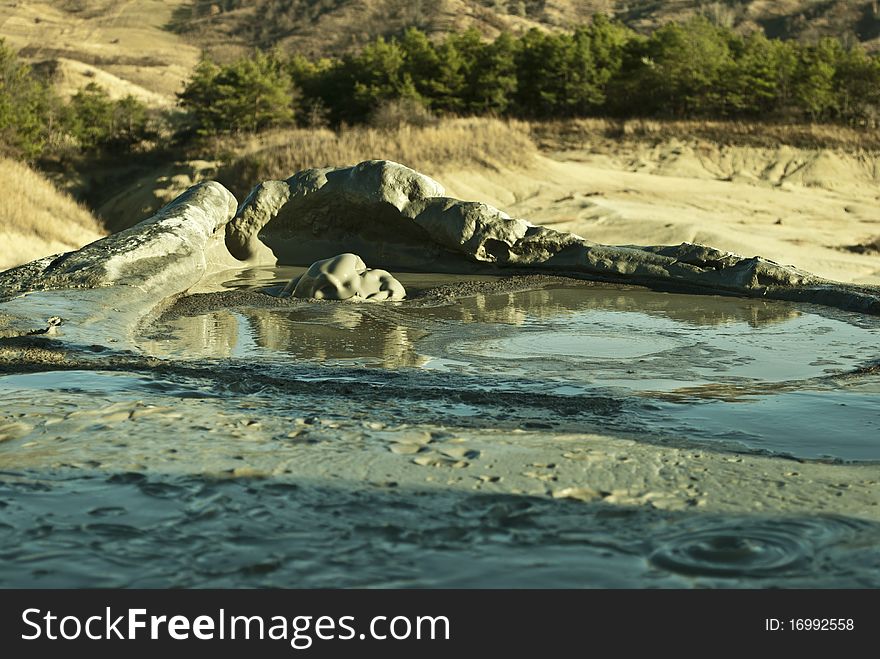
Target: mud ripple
(745, 548)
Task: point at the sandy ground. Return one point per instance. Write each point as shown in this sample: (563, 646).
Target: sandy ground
(673, 194)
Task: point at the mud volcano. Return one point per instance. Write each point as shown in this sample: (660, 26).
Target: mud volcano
(539, 410)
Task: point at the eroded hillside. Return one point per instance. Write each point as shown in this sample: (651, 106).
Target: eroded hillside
(147, 48)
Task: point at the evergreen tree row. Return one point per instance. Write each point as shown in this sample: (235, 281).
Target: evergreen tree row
(34, 120)
(682, 70)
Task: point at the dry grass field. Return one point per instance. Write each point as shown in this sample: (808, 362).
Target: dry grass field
(609, 133)
(36, 219)
(452, 144)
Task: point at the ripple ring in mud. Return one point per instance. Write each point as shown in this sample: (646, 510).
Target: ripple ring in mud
(744, 549)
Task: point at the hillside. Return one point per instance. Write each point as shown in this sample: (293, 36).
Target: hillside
(37, 219)
(147, 48)
(324, 27)
(123, 46)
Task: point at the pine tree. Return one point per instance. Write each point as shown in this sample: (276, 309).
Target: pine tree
(677, 71)
(584, 90)
(469, 47)
(201, 98)
(750, 83)
(377, 75)
(90, 117)
(541, 74)
(814, 89)
(493, 77)
(421, 61)
(28, 107)
(608, 39)
(857, 87)
(447, 90)
(266, 93)
(251, 94)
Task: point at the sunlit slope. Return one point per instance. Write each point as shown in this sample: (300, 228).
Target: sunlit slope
(36, 219)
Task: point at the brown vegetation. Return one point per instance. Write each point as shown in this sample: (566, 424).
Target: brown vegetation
(37, 219)
(590, 133)
(325, 27)
(430, 149)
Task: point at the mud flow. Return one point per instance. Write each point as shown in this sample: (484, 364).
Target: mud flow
(484, 432)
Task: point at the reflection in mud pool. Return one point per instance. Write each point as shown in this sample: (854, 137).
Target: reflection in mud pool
(753, 373)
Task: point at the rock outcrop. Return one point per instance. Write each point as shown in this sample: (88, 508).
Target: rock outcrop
(390, 216)
(103, 291)
(395, 217)
(368, 208)
(162, 255)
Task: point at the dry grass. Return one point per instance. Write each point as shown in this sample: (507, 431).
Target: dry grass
(429, 149)
(123, 46)
(36, 219)
(598, 133)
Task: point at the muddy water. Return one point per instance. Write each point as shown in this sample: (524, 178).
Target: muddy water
(765, 376)
(562, 436)
(130, 530)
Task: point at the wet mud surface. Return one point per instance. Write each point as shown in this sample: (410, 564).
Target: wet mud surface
(764, 375)
(519, 432)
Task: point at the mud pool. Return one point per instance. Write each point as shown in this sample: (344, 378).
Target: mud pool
(769, 376)
(475, 435)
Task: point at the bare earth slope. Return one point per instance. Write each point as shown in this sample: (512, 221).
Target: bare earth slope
(148, 47)
(123, 46)
(328, 27)
(797, 207)
(812, 208)
(36, 219)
